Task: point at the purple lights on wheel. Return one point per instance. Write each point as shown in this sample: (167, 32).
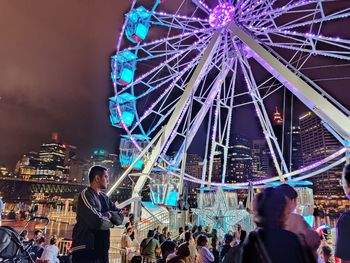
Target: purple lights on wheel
(221, 15)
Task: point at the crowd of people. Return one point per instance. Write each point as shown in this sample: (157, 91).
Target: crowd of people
(280, 236)
(41, 251)
(191, 244)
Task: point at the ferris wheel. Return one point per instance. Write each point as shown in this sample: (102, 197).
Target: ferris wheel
(182, 68)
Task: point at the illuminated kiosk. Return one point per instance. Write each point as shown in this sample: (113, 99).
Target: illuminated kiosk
(220, 210)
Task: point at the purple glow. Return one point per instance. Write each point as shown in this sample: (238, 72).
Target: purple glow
(221, 15)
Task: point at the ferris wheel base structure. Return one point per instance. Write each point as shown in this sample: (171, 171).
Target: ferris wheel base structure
(336, 121)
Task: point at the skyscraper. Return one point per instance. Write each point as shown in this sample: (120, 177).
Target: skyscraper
(51, 161)
(294, 151)
(194, 167)
(260, 159)
(277, 124)
(316, 144)
(239, 165)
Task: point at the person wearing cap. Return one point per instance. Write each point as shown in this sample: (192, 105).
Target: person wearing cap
(228, 239)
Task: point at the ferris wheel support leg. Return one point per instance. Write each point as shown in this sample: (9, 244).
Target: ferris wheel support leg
(317, 103)
(127, 171)
(191, 87)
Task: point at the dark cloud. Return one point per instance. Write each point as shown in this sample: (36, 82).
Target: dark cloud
(55, 73)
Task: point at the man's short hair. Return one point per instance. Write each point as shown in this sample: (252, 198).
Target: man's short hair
(150, 233)
(36, 232)
(96, 170)
(188, 236)
(288, 191)
(168, 246)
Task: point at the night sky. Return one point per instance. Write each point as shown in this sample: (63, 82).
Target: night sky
(54, 74)
(55, 70)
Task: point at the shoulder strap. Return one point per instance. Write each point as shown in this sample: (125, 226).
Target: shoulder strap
(148, 243)
(262, 251)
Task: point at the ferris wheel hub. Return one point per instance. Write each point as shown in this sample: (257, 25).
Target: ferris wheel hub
(221, 15)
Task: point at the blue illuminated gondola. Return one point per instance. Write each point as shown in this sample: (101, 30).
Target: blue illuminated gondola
(126, 103)
(128, 151)
(123, 67)
(138, 24)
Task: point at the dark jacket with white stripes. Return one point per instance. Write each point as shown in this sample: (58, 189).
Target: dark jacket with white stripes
(94, 220)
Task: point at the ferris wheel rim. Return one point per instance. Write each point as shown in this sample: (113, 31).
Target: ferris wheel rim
(119, 112)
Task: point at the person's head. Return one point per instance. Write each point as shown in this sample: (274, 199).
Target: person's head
(129, 231)
(194, 228)
(270, 208)
(228, 239)
(214, 232)
(167, 248)
(53, 240)
(40, 241)
(207, 229)
(183, 251)
(291, 194)
(345, 180)
(131, 218)
(165, 230)
(326, 253)
(98, 177)
(238, 227)
(24, 234)
(37, 234)
(181, 230)
(158, 228)
(187, 228)
(150, 233)
(202, 241)
(188, 236)
(199, 228)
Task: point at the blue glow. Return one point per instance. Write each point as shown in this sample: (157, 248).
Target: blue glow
(123, 67)
(292, 183)
(127, 109)
(310, 220)
(126, 75)
(138, 24)
(171, 199)
(126, 161)
(125, 97)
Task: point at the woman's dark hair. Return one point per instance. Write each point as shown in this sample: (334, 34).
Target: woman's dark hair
(346, 173)
(53, 241)
(202, 240)
(288, 191)
(269, 208)
(182, 252)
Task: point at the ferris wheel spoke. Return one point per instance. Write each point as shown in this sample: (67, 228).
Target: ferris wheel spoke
(309, 20)
(199, 45)
(202, 5)
(265, 123)
(183, 23)
(258, 17)
(309, 43)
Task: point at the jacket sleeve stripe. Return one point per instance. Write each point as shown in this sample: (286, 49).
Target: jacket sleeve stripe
(88, 205)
